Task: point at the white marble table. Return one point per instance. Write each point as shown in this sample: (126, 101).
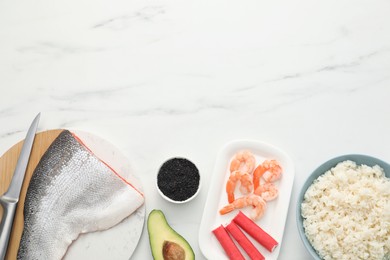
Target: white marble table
(167, 78)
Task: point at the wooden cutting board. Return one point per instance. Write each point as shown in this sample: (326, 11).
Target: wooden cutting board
(7, 166)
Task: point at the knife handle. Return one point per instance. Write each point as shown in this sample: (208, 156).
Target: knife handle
(9, 208)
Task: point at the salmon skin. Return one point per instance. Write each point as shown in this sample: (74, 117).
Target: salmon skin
(71, 192)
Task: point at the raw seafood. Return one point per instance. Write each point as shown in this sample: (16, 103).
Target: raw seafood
(243, 161)
(270, 170)
(257, 202)
(246, 184)
(72, 192)
(267, 191)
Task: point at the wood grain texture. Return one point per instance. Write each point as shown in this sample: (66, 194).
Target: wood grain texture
(7, 166)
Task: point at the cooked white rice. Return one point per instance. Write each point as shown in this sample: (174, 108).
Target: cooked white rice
(346, 213)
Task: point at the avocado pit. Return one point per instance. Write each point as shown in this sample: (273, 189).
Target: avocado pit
(173, 251)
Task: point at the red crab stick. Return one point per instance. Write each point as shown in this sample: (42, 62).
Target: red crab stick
(255, 231)
(227, 243)
(244, 242)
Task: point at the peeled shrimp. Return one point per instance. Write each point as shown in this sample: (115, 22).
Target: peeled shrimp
(245, 180)
(267, 191)
(270, 170)
(257, 202)
(244, 161)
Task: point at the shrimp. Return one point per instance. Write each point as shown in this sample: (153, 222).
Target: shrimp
(270, 170)
(258, 203)
(259, 171)
(267, 191)
(246, 184)
(244, 161)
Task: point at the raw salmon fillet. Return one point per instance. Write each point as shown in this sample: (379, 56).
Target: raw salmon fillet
(72, 192)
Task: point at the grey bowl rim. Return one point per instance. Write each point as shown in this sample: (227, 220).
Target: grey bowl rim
(321, 169)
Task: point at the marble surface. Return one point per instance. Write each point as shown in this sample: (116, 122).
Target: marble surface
(182, 78)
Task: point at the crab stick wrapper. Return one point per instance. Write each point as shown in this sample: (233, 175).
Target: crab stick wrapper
(244, 242)
(255, 231)
(227, 243)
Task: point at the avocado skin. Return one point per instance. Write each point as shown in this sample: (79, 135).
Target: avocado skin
(160, 231)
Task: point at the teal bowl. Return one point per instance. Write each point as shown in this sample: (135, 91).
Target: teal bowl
(359, 159)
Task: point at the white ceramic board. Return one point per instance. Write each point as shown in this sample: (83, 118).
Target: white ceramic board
(120, 241)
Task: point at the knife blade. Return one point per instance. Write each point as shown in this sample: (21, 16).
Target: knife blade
(9, 200)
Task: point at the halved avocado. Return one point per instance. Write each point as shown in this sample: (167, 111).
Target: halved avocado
(166, 243)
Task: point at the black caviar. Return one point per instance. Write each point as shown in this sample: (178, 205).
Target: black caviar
(178, 179)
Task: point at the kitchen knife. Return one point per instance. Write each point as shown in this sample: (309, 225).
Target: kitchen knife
(9, 200)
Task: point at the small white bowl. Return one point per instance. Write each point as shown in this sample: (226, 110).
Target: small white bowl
(178, 201)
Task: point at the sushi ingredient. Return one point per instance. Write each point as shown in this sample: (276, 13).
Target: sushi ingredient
(270, 170)
(267, 191)
(255, 231)
(72, 192)
(255, 201)
(244, 161)
(245, 180)
(227, 243)
(241, 168)
(346, 212)
(244, 242)
(178, 179)
(165, 242)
